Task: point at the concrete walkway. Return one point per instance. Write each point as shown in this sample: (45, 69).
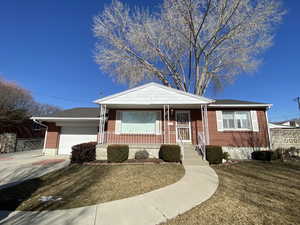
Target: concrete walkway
(198, 185)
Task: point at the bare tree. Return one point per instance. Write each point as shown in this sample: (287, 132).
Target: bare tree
(187, 44)
(16, 103)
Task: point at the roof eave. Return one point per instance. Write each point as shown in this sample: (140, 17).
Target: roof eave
(240, 105)
(64, 118)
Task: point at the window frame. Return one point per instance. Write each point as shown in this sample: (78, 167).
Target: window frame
(235, 120)
(158, 120)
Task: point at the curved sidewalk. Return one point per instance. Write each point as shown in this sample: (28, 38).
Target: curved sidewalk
(198, 184)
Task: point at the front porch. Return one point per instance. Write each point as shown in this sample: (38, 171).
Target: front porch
(153, 114)
(170, 125)
(173, 125)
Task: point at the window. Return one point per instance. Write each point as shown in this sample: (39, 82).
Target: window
(139, 122)
(236, 120)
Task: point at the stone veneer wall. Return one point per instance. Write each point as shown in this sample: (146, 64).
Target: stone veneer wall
(242, 152)
(285, 138)
(27, 144)
(7, 142)
(152, 149)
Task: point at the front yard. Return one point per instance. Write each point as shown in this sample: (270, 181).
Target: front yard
(250, 193)
(82, 185)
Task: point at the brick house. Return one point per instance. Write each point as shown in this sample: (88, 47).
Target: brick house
(153, 114)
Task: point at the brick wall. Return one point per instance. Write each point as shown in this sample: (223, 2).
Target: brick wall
(239, 138)
(52, 135)
(225, 138)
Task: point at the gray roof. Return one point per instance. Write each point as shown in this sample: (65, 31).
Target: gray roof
(77, 113)
(235, 102)
(297, 120)
(89, 112)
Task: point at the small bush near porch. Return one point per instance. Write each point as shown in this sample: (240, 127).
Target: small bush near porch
(253, 192)
(81, 185)
(170, 153)
(85, 152)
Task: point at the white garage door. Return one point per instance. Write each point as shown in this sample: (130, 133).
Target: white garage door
(71, 136)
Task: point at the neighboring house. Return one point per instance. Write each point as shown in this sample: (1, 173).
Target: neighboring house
(154, 114)
(20, 135)
(293, 123)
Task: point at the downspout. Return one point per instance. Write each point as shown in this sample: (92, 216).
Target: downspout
(268, 128)
(46, 133)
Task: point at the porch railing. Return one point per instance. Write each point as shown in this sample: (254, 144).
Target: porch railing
(201, 144)
(135, 138)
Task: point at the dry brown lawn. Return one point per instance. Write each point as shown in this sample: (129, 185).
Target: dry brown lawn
(250, 193)
(82, 185)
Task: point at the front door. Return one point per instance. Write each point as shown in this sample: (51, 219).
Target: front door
(183, 126)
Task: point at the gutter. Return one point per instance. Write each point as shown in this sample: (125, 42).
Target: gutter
(46, 133)
(268, 106)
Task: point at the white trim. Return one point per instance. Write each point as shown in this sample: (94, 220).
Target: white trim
(219, 119)
(118, 121)
(240, 105)
(190, 129)
(64, 118)
(254, 119)
(102, 100)
(238, 129)
(157, 122)
(268, 129)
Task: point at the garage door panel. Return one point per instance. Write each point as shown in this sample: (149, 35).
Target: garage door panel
(71, 136)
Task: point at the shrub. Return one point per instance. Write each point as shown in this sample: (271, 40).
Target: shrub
(143, 154)
(170, 153)
(262, 155)
(280, 151)
(85, 152)
(214, 154)
(117, 153)
(226, 156)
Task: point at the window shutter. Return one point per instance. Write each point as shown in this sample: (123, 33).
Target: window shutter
(219, 120)
(118, 122)
(158, 123)
(255, 126)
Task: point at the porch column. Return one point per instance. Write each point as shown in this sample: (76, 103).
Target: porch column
(166, 123)
(205, 124)
(101, 124)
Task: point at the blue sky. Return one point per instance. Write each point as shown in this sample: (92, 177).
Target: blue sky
(47, 47)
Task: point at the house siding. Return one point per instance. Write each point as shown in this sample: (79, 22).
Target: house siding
(239, 138)
(196, 125)
(224, 138)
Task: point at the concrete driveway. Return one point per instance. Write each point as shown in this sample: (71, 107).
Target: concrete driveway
(17, 167)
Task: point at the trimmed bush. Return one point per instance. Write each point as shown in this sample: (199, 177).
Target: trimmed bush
(143, 154)
(117, 153)
(226, 156)
(170, 153)
(85, 152)
(277, 154)
(262, 155)
(214, 154)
